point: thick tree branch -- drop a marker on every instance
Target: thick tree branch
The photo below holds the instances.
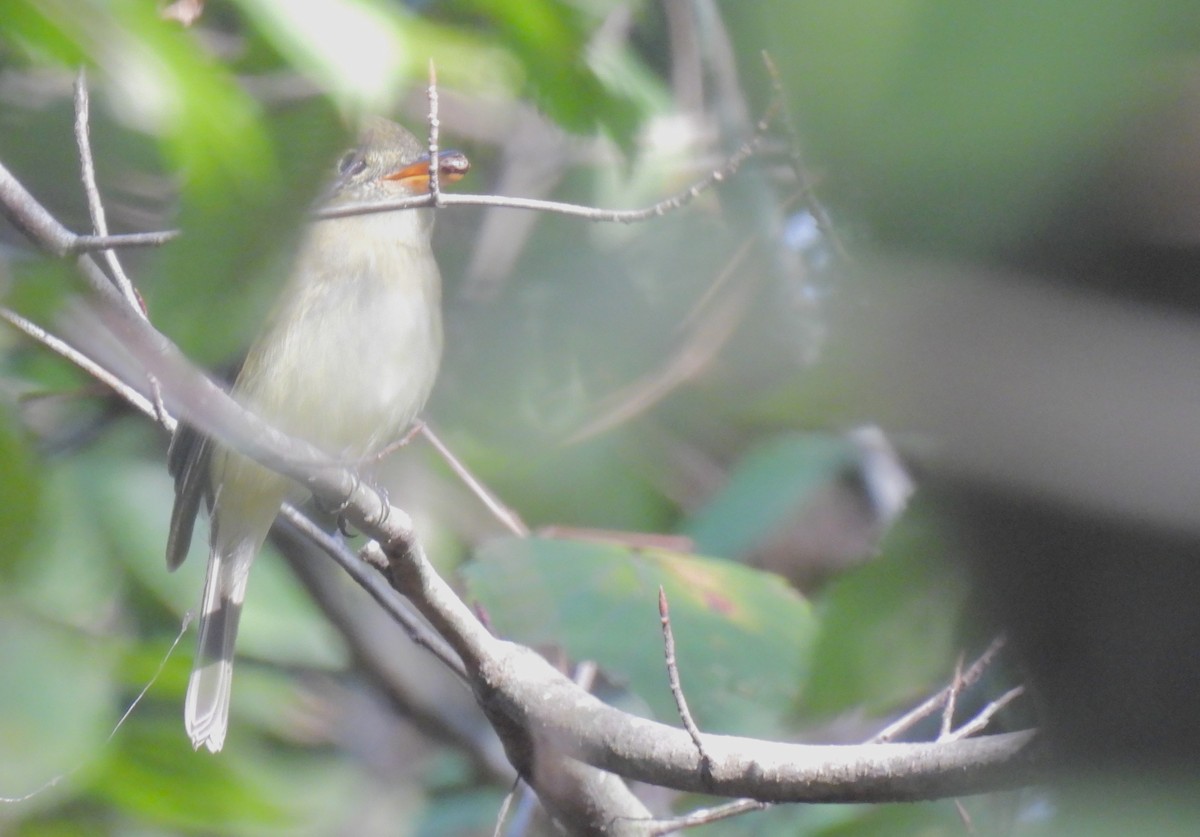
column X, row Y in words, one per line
column 538, row 712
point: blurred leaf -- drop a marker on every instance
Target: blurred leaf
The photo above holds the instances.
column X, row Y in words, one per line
column 69, row 576
column 39, row 287
column 742, row 637
column 57, row 701
column 156, row 776
column 162, row 80
column 213, row 285
column 929, row 819
column 354, row 48
column 889, row 631
column 768, row 488
column 960, row 124
column 551, row 39
column 35, row 31
column 462, row 812
column 20, row 491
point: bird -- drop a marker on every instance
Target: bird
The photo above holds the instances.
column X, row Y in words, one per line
column 345, row 361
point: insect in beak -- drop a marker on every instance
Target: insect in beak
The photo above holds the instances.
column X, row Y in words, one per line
column 452, row 167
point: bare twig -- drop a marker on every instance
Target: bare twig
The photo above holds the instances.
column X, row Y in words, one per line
column 800, row 167
column 622, row 216
column 708, row 328
column 704, row 816
column 685, row 714
column 91, row 243
column 507, row 516
column 968, row 825
column 69, row 243
column 435, row 126
column 956, row 686
column 87, row 167
column 377, row 587
column 937, row 701
column 63, row 242
column 25, row 213
column 64, row 350
column 985, row 715
column 505, row 805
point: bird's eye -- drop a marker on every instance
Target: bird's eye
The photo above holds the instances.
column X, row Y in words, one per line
column 352, row 163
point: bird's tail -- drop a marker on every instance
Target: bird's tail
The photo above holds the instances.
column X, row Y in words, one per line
column 206, row 710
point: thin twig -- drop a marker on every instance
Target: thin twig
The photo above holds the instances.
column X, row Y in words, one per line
column 968, row 825
column 937, row 701
column 435, row 126
column 622, row 216
column 800, row 167
column 25, row 213
column 91, row 243
column 505, row 805
column 87, row 166
column 685, row 714
column 704, row 816
column 63, row 349
column 32, row 218
column 956, row 686
column 507, row 516
column 377, row 587
column 85, row 243
column 985, row 715
column 704, row 337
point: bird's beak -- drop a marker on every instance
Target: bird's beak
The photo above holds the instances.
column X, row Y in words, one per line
column 452, row 167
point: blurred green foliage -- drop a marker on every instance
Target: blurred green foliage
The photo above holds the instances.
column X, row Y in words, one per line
column 961, row 126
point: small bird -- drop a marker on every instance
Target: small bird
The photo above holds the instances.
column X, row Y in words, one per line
column 345, row 362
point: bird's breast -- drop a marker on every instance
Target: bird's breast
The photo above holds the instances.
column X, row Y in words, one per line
column 352, row 349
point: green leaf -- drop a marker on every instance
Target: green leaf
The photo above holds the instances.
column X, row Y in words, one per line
column 551, row 39
column 769, row 487
column 20, row 491
column 155, row 776
column 57, row 700
column 742, row 637
column 33, row 30
column 959, row 124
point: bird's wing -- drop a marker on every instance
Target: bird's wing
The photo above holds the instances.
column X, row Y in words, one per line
column 187, row 461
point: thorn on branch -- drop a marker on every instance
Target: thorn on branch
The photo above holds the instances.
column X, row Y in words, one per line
column 937, row 701
column 956, row 686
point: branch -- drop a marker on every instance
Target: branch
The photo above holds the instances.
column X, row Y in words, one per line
column 29, row 216
column 539, row 713
column 95, row 204
column 563, row 740
column 937, row 701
